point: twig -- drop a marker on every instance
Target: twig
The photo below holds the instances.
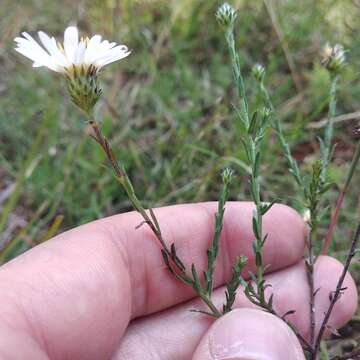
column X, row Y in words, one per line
column 337, row 119
column 339, row 290
column 312, row 196
column 317, row 187
column 254, row 128
column 340, row 200
column 170, row 257
column 124, row 180
column 310, row 277
column 234, row 283
column 107, row 149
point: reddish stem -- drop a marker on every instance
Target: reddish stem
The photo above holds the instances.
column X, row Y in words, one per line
column 333, row 223
column 330, row 232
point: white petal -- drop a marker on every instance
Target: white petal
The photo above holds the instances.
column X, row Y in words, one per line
column 71, row 40
column 46, row 41
column 38, row 58
column 59, row 54
column 30, row 43
column 28, row 47
column 110, row 52
column 80, row 52
column 102, row 51
column 27, row 53
column 113, row 59
column 50, row 45
column 106, row 45
column 20, row 40
column 115, row 54
column 94, row 51
column 91, row 51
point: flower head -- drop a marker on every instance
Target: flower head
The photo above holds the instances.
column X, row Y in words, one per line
column 258, row 72
column 226, row 16
column 227, row 175
column 333, row 57
column 80, row 61
column 63, row 58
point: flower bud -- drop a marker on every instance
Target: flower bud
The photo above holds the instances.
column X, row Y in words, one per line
column 227, row 175
column 333, row 57
column 83, row 86
column 226, row 16
column 265, row 112
column 258, row 72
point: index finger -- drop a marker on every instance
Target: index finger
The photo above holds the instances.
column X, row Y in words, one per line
column 77, row 292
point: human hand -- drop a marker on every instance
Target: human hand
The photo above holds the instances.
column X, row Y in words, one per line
column 101, row 291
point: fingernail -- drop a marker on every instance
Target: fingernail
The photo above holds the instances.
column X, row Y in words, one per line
column 250, row 334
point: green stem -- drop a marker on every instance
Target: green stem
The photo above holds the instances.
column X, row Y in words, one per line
column 312, row 196
column 207, row 300
column 292, row 163
column 235, row 61
column 219, row 218
column 234, row 283
column 257, row 224
column 310, row 275
column 252, row 139
column 176, row 267
column 329, row 130
column 254, row 151
column 259, row 267
column 124, row 180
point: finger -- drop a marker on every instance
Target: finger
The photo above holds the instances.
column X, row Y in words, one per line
column 174, row 334
column 249, row 334
column 191, row 228
column 94, row 278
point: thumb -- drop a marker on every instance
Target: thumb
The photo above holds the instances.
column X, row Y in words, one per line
column 249, row 334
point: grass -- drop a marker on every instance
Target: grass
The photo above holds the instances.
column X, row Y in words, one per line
column 168, row 109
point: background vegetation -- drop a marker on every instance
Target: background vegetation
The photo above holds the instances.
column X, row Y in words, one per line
column 167, row 109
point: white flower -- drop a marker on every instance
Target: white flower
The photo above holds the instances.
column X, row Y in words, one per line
column 333, row 57
column 63, row 58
